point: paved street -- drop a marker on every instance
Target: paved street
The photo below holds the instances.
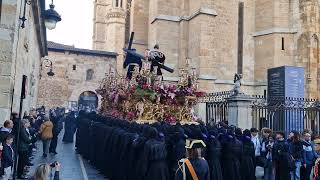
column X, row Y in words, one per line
column 73, row 166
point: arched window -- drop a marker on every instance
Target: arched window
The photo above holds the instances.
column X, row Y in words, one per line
column 89, row 74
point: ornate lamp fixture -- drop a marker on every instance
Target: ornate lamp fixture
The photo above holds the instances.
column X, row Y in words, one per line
column 50, row 16
column 48, row 64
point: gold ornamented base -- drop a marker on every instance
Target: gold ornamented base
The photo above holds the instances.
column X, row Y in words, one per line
column 154, row 121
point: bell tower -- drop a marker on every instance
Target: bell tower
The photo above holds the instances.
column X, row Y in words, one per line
column 99, row 24
column 115, row 36
column 109, row 27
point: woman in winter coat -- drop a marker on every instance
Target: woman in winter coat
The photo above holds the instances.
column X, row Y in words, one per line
column 46, row 135
column 296, row 151
column 266, row 152
column 280, row 154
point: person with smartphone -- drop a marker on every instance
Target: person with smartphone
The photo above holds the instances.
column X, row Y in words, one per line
column 43, row 171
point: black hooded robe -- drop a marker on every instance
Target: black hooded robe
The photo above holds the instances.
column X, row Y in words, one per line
column 69, row 128
column 156, row 167
column 280, row 155
column 247, row 160
column 213, row 156
column 230, row 162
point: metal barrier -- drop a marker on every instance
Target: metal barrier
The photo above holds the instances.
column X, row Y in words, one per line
column 277, row 113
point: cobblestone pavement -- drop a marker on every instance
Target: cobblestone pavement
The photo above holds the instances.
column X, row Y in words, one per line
column 73, row 167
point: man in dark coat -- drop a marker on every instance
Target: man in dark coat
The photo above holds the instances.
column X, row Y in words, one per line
column 56, row 119
column 24, row 143
column 15, row 118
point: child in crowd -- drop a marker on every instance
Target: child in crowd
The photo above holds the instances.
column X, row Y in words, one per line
column 7, row 157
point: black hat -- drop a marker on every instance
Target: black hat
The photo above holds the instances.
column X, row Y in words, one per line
column 194, row 144
column 247, row 133
column 254, row 130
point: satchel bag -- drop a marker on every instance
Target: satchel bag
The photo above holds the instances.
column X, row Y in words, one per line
column 191, row 170
column 261, row 161
column 291, row 163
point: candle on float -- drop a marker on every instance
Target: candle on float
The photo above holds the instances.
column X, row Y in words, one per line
column 193, row 71
column 187, row 61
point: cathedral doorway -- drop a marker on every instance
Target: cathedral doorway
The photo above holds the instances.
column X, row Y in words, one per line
column 88, row 101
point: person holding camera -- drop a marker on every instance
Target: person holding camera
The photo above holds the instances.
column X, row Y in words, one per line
column 43, row 171
column 266, row 151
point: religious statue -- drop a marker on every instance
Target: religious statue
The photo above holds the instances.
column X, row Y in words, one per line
column 184, row 79
column 140, row 108
column 141, row 94
column 237, row 83
column 159, row 112
column 149, row 112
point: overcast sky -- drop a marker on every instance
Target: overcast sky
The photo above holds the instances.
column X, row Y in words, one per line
column 76, row 25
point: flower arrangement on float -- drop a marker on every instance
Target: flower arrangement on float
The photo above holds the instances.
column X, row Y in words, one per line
column 146, row 97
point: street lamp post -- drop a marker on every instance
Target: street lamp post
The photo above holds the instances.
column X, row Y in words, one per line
column 50, row 18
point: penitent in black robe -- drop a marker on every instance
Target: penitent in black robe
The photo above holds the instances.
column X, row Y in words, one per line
column 230, row 162
column 176, row 150
column 280, row 155
column 83, row 139
column 247, row 160
column 69, row 128
column 155, row 167
column 213, row 157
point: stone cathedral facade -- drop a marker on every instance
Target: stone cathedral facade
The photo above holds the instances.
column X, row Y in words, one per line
column 219, row 37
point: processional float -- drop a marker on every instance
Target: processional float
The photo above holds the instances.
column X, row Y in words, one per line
column 142, row 95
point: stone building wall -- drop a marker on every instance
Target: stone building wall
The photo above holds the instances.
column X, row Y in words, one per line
column 20, row 53
column 68, row 83
column 275, row 33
